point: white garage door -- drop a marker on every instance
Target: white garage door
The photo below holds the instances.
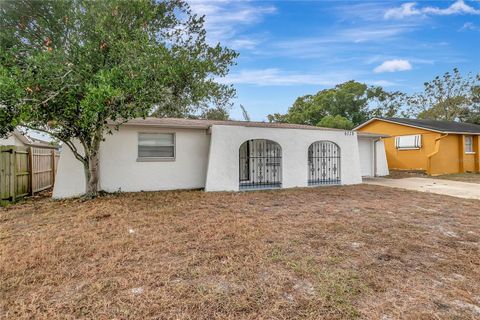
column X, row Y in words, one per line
column 365, row 147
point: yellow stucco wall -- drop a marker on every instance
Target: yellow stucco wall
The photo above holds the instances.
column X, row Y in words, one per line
column 439, row 154
column 471, row 161
column 446, row 160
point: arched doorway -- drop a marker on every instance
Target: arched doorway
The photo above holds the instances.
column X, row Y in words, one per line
column 260, row 164
column 323, row 163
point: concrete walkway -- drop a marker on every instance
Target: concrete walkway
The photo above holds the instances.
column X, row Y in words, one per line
column 448, row 187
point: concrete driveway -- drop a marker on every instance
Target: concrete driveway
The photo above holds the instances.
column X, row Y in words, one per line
column 448, row 187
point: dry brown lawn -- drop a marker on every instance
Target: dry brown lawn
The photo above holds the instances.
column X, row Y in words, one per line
column 333, row 253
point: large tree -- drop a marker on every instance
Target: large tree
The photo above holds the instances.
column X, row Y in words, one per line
column 344, row 106
column 72, row 68
column 452, row 97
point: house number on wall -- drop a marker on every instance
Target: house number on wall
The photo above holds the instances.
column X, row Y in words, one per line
column 349, row 133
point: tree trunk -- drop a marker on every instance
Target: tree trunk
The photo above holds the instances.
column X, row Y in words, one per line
column 91, row 175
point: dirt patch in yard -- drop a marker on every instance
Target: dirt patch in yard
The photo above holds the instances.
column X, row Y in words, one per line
column 337, row 253
column 464, row 177
column 400, row 174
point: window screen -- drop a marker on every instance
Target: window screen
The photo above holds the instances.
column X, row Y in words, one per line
column 156, row 145
column 408, row 142
column 468, row 144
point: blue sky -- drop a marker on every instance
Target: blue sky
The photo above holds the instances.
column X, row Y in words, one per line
column 292, row 48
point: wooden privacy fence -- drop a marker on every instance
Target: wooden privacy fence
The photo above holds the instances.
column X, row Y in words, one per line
column 26, row 170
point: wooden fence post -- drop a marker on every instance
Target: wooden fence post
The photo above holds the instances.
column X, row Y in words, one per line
column 30, row 170
column 53, row 167
column 7, row 173
column 13, row 174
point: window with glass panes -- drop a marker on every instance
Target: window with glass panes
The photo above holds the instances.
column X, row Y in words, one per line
column 156, row 145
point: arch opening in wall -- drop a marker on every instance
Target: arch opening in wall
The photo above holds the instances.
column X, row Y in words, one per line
column 324, row 163
column 260, row 164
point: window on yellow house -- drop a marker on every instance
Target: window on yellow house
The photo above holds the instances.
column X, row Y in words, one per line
column 411, row 142
column 468, row 144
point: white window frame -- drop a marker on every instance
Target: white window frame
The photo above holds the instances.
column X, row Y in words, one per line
column 418, row 142
column 158, row 159
column 471, row 151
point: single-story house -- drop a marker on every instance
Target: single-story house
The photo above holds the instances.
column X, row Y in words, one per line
column 436, row 147
column 165, row 153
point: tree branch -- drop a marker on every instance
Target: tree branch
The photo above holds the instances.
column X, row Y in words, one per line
column 67, row 142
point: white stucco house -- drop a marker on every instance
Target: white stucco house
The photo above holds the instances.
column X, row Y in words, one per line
column 165, row 154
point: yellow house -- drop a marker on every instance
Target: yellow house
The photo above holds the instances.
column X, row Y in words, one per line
column 436, row 147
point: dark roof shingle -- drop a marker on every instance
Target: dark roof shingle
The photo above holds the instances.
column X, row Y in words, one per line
column 437, row 125
column 205, row 124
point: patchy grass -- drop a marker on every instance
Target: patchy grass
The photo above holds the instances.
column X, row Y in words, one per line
column 336, row 253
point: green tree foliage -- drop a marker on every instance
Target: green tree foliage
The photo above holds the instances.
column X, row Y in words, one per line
column 345, row 106
column 215, row 114
column 451, row 97
column 474, row 114
column 386, row 104
column 336, row 122
column 72, row 67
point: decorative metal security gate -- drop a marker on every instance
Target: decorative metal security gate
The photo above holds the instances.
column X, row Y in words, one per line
column 260, row 164
column 323, row 163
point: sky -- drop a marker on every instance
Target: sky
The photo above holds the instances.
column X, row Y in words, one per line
column 292, row 48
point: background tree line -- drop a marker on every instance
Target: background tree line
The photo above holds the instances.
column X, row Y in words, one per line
column 452, row 97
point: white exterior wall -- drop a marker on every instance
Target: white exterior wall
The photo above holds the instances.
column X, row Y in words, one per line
column 371, row 166
column 382, row 164
column 223, row 172
column 120, row 170
column 70, row 177
column 367, row 164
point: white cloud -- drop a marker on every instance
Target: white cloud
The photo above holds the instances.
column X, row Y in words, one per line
column 393, row 66
column 469, row 26
column 244, row 43
column 225, row 19
column 381, row 83
column 277, row 77
column 373, row 33
column 410, row 9
column 458, row 7
column 405, row 10
column 336, row 44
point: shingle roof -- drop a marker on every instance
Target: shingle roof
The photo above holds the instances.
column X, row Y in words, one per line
column 435, row 125
column 205, row 124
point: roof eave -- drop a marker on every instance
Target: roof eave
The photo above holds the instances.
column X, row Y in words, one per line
column 372, row 135
column 164, row 125
column 396, row 122
column 464, row 133
column 208, row 126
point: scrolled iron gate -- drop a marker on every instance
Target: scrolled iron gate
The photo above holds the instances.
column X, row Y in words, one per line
column 323, row 163
column 260, row 164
